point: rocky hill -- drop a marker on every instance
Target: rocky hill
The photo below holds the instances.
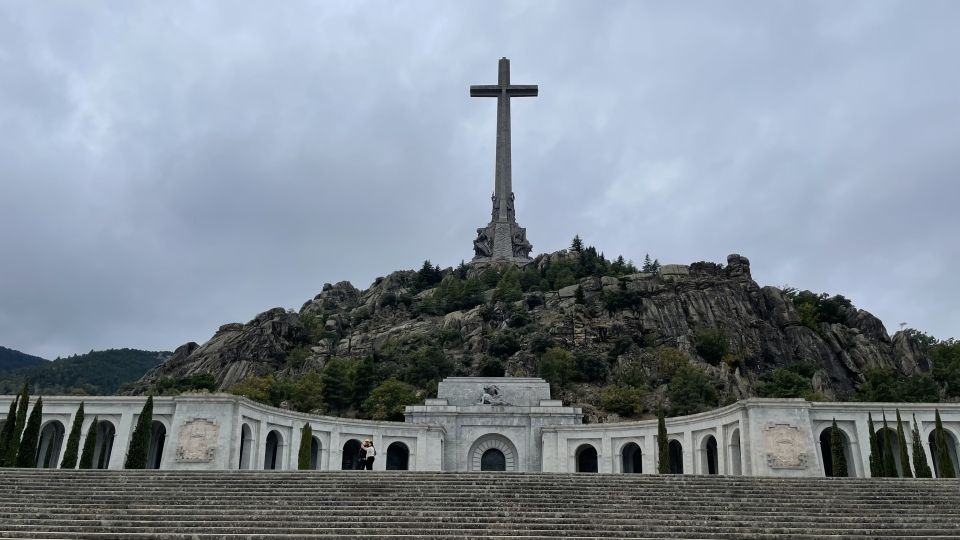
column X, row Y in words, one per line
column 615, row 340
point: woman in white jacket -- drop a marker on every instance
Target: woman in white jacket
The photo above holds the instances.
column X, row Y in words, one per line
column 369, row 453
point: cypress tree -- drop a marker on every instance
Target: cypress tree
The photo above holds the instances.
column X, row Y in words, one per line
column 73, row 441
column 889, row 464
column 905, row 471
column 140, row 440
column 7, row 435
column 876, row 464
column 89, row 446
column 919, row 456
column 27, row 453
column 944, row 463
column 48, row 457
column 306, row 440
column 663, row 446
column 13, row 444
column 836, row 449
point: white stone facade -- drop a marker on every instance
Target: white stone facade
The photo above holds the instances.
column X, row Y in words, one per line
column 511, row 421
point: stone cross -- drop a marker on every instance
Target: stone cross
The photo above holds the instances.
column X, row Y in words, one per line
column 503, row 91
column 503, row 238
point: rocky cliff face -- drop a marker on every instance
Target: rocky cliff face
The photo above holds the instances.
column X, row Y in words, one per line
column 619, row 318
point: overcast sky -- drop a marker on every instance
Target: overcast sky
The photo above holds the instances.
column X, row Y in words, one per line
column 168, row 167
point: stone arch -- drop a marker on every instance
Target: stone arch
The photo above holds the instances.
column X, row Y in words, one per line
column 158, row 438
column 351, row 456
column 398, row 457
column 826, row 451
column 315, row 447
column 676, row 456
column 586, row 458
column 246, row 447
column 492, row 442
column 951, row 449
column 631, row 458
column 709, row 456
column 51, row 443
column 272, row 456
column 736, row 461
column 882, row 435
column 106, row 432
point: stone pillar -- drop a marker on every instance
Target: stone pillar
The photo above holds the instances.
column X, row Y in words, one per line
column 335, row 461
column 605, row 455
column 121, row 440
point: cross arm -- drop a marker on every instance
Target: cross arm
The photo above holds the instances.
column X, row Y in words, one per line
column 522, row 90
column 485, row 90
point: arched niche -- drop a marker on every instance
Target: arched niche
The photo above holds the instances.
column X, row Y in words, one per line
column 951, row 450
column 272, row 457
column 826, row 451
column 736, row 463
column 675, row 449
column 884, row 434
column 106, row 432
column 246, row 448
column 503, row 445
column 631, row 458
column 158, row 439
column 398, row 457
column 586, row 458
column 315, row 447
column 709, row 456
column 50, row 445
column 351, row 460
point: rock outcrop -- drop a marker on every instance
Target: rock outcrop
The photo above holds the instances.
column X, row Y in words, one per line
column 761, row 326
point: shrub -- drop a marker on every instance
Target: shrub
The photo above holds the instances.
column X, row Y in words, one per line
column 539, row 343
column 691, row 391
column 623, row 400
column 711, row 344
column 427, row 366
column 13, row 442
column 6, row 436
column 73, row 441
column 504, row 344
column 669, row 362
column 557, row 366
column 27, row 453
column 815, row 308
column 886, row 385
column 298, row 357
column 663, row 445
column 920, row 465
column 944, row 463
column 508, row 288
column 337, row 384
column 837, row 452
column 591, row 367
column 388, row 400
column 306, row 441
column 491, row 367
column 140, row 440
column 89, row 445
column 785, row 383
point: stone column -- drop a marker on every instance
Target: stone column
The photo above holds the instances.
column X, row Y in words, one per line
column 121, row 440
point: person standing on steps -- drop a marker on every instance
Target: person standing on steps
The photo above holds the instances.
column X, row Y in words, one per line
column 369, row 453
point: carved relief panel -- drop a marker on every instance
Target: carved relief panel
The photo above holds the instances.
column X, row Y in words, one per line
column 785, row 446
column 197, row 441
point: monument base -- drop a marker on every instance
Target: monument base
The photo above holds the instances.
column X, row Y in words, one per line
column 502, row 240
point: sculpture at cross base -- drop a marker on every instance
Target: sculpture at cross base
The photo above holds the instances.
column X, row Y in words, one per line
column 503, row 239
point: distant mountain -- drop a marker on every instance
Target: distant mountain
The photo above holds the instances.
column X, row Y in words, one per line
column 11, row 359
column 94, row 373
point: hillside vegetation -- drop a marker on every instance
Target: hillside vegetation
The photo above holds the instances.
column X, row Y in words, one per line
column 94, row 373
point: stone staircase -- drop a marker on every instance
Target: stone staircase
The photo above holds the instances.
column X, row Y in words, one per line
column 268, row 504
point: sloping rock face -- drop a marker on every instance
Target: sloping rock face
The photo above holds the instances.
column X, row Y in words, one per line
column 760, row 324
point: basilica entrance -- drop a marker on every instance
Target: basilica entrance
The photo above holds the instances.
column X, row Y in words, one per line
column 492, row 452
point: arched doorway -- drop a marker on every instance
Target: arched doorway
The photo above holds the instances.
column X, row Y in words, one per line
column 51, row 442
column 158, row 436
column 246, row 445
column 315, row 447
column 736, row 466
column 709, row 456
column 493, row 460
column 884, row 434
column 271, row 455
column 631, row 459
column 398, row 457
column 504, row 459
column 676, row 457
column 951, row 450
column 105, row 434
column 587, row 459
column 351, row 456
column 826, row 451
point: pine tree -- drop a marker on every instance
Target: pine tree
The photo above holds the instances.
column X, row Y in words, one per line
column 89, row 446
column 889, row 464
column 27, row 453
column 306, row 442
column 578, row 296
column 647, row 264
column 656, row 266
column 920, row 464
column 876, row 463
column 905, row 471
column 73, row 441
column 944, row 463
column 13, row 444
column 7, row 435
column 140, row 440
column 837, row 452
column 577, row 244
column 663, row 446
